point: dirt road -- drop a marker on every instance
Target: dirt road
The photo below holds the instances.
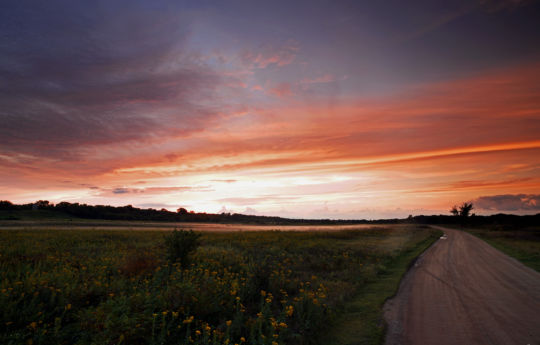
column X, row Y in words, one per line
column 463, row 291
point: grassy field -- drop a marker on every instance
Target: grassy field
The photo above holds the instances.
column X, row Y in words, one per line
column 360, row 321
column 116, row 287
column 520, row 243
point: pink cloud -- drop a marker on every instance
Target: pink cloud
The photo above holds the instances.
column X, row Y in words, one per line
column 270, row 56
column 281, row 90
column 326, row 78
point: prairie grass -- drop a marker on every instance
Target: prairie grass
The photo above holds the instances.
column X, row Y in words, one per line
column 116, row 287
column 520, row 243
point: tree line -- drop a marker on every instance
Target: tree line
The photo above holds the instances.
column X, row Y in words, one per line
column 460, row 215
column 149, row 214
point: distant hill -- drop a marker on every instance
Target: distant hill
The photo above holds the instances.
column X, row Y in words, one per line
column 43, row 209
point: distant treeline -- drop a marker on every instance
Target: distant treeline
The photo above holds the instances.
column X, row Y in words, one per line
column 499, row 221
column 182, row 215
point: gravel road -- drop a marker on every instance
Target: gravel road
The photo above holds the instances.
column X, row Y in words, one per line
column 463, row 291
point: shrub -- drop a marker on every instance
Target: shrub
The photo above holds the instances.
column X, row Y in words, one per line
column 138, row 263
column 180, row 244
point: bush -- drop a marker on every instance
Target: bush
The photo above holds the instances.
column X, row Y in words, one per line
column 138, row 263
column 181, row 243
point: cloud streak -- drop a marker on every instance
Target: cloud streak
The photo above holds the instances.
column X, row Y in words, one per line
column 93, row 78
column 269, row 55
column 509, row 203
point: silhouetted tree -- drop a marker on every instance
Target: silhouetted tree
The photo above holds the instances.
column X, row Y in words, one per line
column 6, row 205
column 462, row 212
column 42, row 204
column 465, row 209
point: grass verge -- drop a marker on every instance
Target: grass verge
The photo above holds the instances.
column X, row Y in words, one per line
column 362, row 320
column 521, row 244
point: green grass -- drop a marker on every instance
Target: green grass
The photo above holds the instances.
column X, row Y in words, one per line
column 362, row 320
column 522, row 244
column 116, row 287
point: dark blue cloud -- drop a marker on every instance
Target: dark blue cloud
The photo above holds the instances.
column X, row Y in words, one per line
column 121, row 190
column 386, row 45
column 509, row 203
column 82, row 73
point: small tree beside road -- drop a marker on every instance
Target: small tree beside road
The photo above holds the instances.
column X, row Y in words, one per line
column 463, row 211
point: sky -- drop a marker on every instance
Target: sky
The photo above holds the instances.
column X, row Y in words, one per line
column 313, row 109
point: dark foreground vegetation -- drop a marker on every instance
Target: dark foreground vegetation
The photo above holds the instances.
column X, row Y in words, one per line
column 122, row 287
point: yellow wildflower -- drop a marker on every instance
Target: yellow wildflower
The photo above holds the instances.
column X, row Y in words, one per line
column 289, row 310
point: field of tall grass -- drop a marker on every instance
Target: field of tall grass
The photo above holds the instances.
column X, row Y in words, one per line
column 117, row 287
column 522, row 243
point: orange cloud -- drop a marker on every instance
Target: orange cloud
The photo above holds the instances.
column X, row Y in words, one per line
column 281, row 90
column 428, row 147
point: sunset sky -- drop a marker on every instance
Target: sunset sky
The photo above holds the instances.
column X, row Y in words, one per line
column 318, row 109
